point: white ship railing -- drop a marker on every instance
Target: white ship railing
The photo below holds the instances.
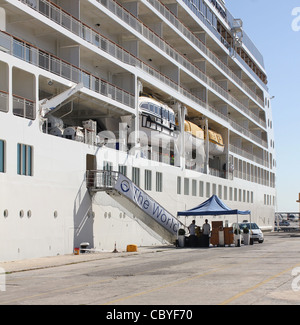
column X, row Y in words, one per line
column 53, row 64
column 101, row 180
column 133, row 22
column 82, row 30
column 23, row 107
column 246, row 154
column 49, row 62
column 162, row 9
column 3, row 101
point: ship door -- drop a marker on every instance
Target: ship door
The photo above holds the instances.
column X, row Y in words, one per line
column 91, row 167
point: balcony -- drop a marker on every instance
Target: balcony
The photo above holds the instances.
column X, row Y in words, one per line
column 23, row 107
column 167, row 14
column 151, row 36
column 53, row 64
column 69, row 22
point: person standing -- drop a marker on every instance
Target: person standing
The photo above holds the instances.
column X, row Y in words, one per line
column 206, row 233
column 192, row 230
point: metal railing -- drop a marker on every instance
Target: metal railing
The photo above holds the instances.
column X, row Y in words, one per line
column 101, row 180
column 75, row 74
column 24, row 107
column 249, row 155
column 53, row 64
column 3, row 101
column 162, row 9
column 137, row 25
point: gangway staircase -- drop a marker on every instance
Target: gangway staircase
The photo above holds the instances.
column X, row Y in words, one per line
column 135, row 200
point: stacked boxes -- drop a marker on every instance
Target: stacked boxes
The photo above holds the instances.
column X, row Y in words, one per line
column 215, row 227
column 228, row 234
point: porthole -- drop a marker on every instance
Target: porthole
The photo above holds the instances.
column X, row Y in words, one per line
column 29, row 213
column 55, row 214
column 5, row 213
column 21, row 213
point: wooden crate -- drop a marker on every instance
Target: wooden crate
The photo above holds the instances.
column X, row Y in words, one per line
column 214, row 239
column 228, row 236
column 216, row 225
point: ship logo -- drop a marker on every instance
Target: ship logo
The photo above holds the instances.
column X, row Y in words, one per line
column 125, row 186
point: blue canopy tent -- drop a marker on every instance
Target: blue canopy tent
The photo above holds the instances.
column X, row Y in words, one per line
column 212, row 207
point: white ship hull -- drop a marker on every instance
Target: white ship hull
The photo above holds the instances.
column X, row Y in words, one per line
column 46, row 208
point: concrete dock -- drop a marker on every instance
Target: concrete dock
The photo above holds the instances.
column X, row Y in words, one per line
column 258, row 274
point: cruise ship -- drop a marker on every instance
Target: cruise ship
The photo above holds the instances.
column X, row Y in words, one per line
column 116, row 115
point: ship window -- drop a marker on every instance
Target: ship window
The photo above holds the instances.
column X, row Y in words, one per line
column 194, row 187
column 186, row 186
column 230, row 193
column 18, row 49
column 178, row 185
column 148, row 180
column 235, row 194
column 136, row 175
column 220, row 191
column 201, row 188
column 107, row 165
column 172, row 118
column 25, row 159
column 214, row 189
column 207, row 189
column 225, row 193
column 2, row 156
column 123, row 170
column 107, row 180
column 159, row 182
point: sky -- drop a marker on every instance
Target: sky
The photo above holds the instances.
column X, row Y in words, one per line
column 275, row 31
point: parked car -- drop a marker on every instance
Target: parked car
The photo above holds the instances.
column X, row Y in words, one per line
column 284, row 223
column 291, row 217
column 255, row 231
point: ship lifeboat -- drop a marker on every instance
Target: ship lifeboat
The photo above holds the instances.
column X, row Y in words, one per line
column 157, row 120
column 216, row 144
column 194, row 136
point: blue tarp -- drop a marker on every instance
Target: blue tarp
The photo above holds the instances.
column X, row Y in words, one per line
column 212, row 207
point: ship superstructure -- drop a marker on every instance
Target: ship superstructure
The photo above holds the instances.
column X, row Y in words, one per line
column 172, row 95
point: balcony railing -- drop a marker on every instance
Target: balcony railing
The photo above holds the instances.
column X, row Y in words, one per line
column 137, row 25
column 53, row 64
column 23, row 107
column 248, row 155
column 71, row 23
column 162, row 9
column 3, row 101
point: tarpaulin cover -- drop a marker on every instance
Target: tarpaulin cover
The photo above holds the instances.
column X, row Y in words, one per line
column 212, row 207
